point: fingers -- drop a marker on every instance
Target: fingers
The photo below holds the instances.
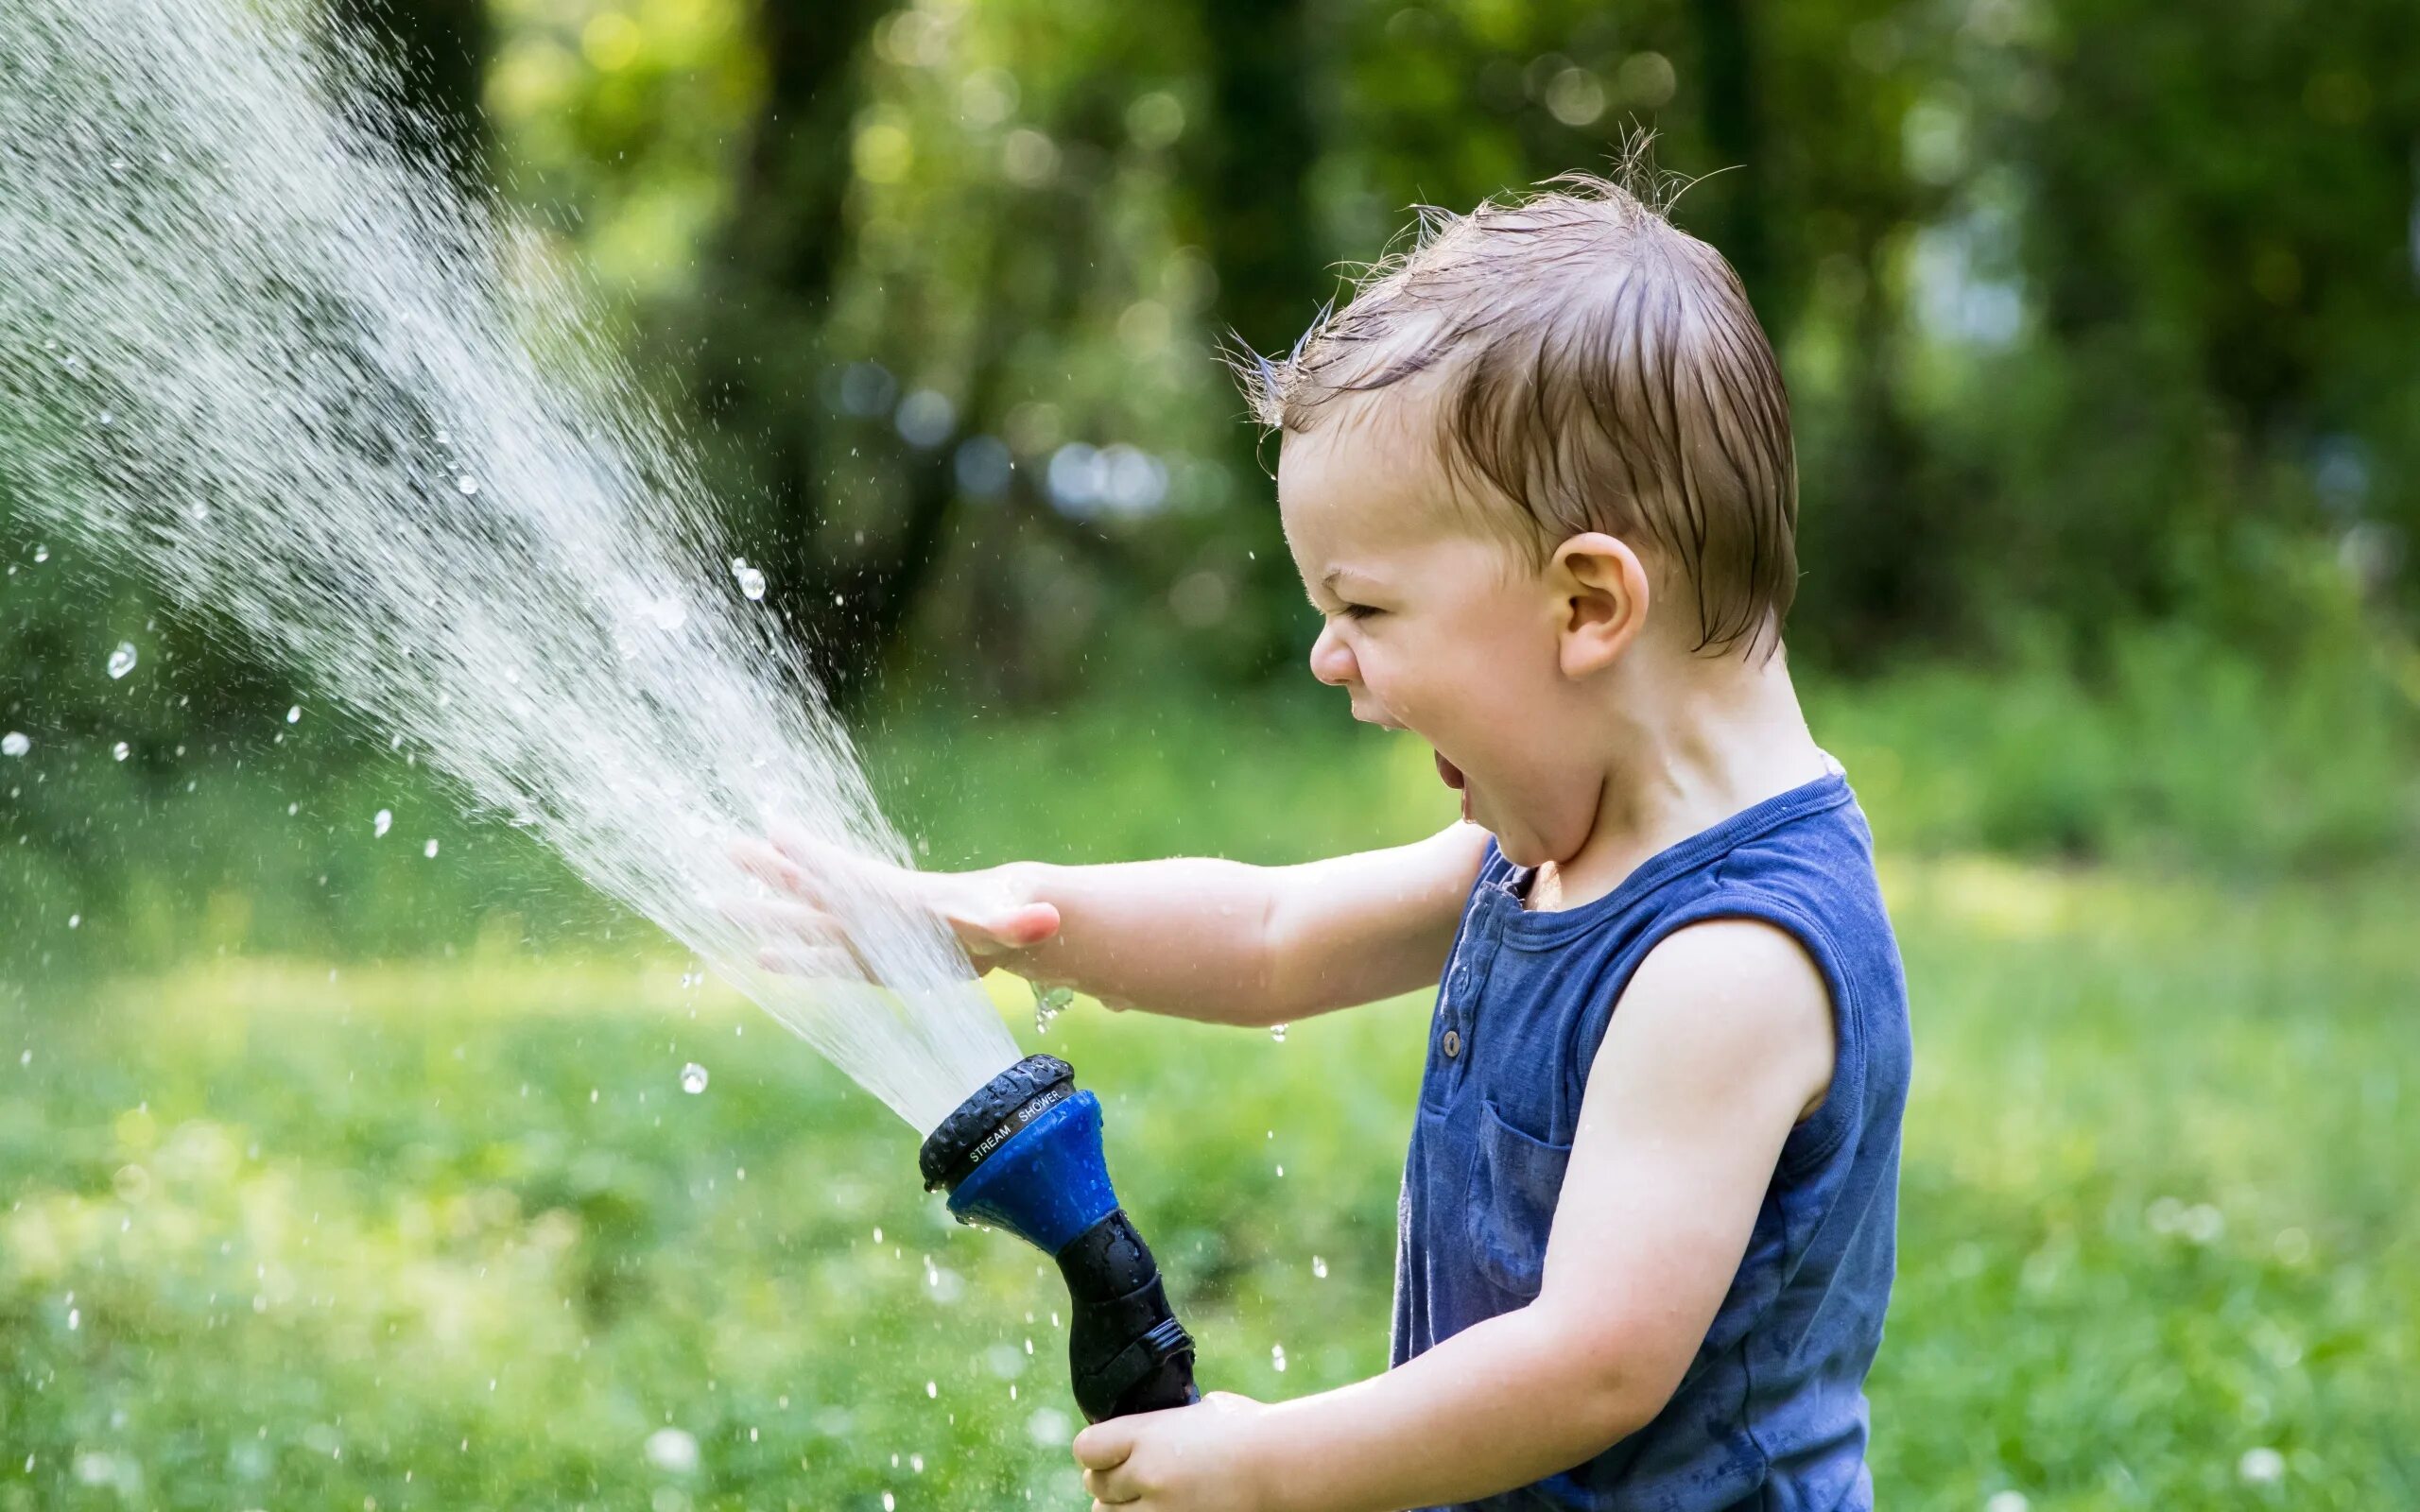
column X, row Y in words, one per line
column 821, row 865
column 796, row 939
column 1103, row 1447
column 766, row 865
column 1105, row 1489
column 1026, row 925
column 783, row 919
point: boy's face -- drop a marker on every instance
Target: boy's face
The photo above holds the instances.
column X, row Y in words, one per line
column 1435, row 629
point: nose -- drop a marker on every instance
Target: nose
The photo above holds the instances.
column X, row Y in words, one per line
column 1332, row 660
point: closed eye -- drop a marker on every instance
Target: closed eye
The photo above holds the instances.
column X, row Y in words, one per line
column 1360, row 611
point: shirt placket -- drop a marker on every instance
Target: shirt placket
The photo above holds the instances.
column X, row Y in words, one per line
column 1452, row 1035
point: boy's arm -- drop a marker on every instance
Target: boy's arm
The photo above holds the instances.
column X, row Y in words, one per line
column 1231, row 943
column 1722, row 1042
column 1190, row 936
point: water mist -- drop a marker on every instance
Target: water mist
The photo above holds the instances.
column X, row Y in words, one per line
column 251, row 351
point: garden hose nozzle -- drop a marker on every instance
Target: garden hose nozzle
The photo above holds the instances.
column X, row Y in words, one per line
column 1024, row 1154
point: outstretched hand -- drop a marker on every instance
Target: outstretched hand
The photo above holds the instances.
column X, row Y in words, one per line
column 816, row 887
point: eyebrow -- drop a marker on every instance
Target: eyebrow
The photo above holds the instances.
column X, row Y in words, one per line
column 1328, row 581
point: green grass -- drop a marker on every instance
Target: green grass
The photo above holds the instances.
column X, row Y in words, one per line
column 275, row 1239
column 337, row 1173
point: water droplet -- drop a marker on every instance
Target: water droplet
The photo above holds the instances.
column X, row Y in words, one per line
column 75, row 919
column 1277, row 1357
column 467, row 486
column 429, row 850
column 673, row 1450
column 75, row 1318
column 668, row 614
column 41, row 554
column 106, row 419
column 382, row 821
column 889, row 1503
column 122, row 660
column 1319, row 1267
column 121, row 750
column 932, row 1388
column 2261, row 1466
column 15, row 744
column 693, row 1081
column 1048, row 1003
column 294, row 715
column 1277, row 1032
column 751, row 582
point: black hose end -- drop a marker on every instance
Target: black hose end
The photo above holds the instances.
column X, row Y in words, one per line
column 1126, row 1350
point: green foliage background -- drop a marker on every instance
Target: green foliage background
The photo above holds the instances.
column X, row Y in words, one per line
column 337, row 1173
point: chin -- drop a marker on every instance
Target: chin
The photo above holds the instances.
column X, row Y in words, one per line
column 1519, row 849
column 1525, row 849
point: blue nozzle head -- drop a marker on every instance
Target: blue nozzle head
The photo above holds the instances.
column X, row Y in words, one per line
column 1024, row 1154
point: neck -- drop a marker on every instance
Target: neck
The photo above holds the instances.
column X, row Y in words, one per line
column 1724, row 735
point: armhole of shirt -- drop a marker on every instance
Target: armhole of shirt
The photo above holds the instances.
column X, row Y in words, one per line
column 1822, row 1131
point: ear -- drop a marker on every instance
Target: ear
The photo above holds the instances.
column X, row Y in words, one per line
column 1603, row 593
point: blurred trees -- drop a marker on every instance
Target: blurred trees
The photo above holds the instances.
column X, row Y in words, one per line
column 2096, row 315
column 2093, row 310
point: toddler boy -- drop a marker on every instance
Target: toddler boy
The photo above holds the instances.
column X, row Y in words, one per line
column 1538, row 480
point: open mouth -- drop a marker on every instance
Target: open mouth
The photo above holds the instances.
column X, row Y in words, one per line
column 1453, row 778
column 1451, row 773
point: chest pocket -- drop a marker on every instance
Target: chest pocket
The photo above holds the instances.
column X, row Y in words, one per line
column 1514, row 1182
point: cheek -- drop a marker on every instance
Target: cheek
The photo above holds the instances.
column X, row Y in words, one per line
column 1465, row 694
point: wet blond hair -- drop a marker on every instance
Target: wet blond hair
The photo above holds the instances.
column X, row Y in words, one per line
column 1598, row 369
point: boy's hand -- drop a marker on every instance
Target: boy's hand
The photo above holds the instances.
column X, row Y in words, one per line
column 1187, row 1459
column 817, row 886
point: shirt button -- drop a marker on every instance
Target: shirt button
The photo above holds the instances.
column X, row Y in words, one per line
column 1453, row 1043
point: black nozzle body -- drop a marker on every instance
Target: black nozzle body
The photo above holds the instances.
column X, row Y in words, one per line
column 1126, row 1350
column 1024, row 1154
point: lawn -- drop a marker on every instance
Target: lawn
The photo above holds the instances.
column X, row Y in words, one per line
column 338, row 1174
column 450, row 1234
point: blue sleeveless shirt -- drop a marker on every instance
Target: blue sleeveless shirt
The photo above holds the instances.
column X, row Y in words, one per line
column 1772, row 1413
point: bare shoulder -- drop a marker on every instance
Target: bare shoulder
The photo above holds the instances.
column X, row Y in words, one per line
column 1733, row 999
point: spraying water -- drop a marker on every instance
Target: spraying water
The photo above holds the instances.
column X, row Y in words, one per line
column 252, row 349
